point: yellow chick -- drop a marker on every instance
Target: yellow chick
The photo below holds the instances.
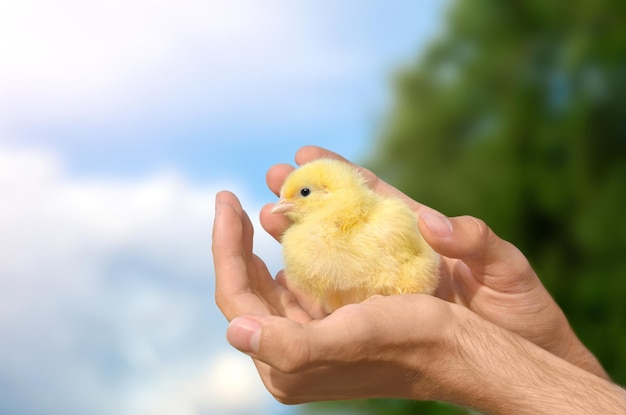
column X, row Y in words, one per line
column 347, row 243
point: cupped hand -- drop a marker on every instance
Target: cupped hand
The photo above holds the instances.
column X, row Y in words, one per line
column 392, row 347
column 479, row 270
column 383, row 347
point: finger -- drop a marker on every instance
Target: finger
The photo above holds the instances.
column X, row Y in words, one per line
column 276, row 175
column 313, row 307
column 231, row 254
column 307, row 154
column 282, row 301
column 228, row 251
column 228, row 233
column 351, row 334
column 290, row 346
column 247, row 235
column 310, row 153
column 492, row 261
column 274, row 224
column 247, row 230
column 333, row 382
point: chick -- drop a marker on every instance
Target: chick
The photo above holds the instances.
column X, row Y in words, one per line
column 347, row 243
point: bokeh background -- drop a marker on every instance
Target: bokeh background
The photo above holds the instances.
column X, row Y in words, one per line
column 120, row 120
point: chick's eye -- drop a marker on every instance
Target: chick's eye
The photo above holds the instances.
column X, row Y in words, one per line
column 305, row 191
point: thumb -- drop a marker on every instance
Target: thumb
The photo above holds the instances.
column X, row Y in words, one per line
column 349, row 334
column 280, row 342
column 244, row 333
column 470, row 239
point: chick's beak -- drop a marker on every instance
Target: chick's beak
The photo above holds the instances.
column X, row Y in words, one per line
column 282, row 206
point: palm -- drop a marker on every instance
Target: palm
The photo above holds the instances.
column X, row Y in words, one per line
column 504, row 292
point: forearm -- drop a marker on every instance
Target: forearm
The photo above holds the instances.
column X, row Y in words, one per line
column 497, row 372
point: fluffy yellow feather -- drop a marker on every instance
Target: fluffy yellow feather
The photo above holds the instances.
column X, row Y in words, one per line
column 347, row 243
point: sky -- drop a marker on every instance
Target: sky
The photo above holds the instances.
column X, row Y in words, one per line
column 119, row 121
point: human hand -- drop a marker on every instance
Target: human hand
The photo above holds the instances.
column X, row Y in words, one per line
column 407, row 346
column 372, row 349
column 479, row 271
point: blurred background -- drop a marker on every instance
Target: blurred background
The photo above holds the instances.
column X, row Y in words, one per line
column 120, row 120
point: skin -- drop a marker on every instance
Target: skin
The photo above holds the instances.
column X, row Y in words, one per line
column 491, row 338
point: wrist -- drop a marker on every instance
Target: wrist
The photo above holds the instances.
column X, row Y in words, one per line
column 461, row 379
column 566, row 345
column 498, row 372
column 445, row 364
column 578, row 355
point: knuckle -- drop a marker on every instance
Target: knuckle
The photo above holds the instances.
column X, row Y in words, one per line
column 291, row 363
column 219, row 298
column 223, row 302
column 219, row 301
column 230, row 306
column 289, row 301
column 296, row 358
column 482, row 229
column 482, row 233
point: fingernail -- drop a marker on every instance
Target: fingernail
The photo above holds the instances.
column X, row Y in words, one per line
column 438, row 224
column 244, row 334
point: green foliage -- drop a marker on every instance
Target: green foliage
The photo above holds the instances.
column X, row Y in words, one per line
column 517, row 115
column 382, row 407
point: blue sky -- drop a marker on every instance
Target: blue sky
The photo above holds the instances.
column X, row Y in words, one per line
column 118, row 123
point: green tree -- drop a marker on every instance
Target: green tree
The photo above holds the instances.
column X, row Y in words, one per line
column 517, row 115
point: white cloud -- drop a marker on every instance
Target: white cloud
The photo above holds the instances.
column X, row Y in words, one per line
column 69, row 59
column 107, row 290
column 231, row 378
